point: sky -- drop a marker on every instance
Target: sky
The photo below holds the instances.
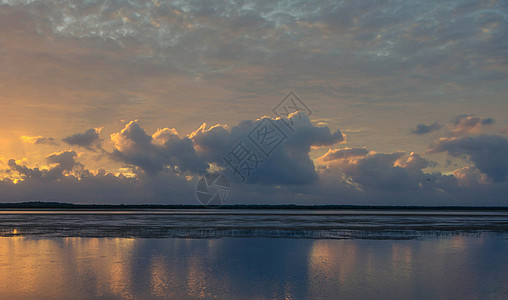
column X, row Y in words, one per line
column 133, row 101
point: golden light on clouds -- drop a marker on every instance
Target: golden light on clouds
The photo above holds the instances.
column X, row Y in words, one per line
column 66, row 70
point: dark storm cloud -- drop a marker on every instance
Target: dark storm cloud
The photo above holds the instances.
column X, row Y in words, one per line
column 487, row 152
column 424, row 129
column 87, row 139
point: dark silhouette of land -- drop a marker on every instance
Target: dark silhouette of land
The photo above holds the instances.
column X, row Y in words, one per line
column 59, row 205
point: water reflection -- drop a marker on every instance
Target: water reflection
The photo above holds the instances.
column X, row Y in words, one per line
column 252, row 268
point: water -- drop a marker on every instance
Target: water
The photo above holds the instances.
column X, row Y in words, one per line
column 331, row 224
column 387, row 255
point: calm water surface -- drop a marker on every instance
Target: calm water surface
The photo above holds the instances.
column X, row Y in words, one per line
column 331, row 224
column 468, row 264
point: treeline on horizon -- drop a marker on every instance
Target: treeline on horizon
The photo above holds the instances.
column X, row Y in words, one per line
column 60, row 205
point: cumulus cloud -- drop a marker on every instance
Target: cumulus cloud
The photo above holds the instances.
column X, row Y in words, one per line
column 468, row 124
column 153, row 153
column 353, row 176
column 87, row 139
column 63, row 163
column 96, row 187
column 359, row 53
column 289, row 163
column 424, row 129
column 470, row 177
column 165, row 167
column 39, row 140
column 378, row 171
column 487, row 152
column 66, row 160
column 212, row 142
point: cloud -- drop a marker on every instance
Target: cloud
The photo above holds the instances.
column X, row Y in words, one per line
column 505, row 131
column 64, row 162
column 87, row 139
column 378, row 171
column 164, row 167
column 352, row 176
column 468, row 124
column 289, row 163
column 339, row 155
column 160, row 56
column 214, row 141
column 38, row 140
column 97, row 187
column 111, row 60
column 487, row 152
column 377, row 38
column 470, row 177
column 154, row 153
column 424, row 129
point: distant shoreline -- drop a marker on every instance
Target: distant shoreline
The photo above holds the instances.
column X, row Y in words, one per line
column 58, row 205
